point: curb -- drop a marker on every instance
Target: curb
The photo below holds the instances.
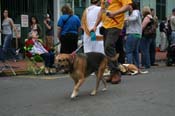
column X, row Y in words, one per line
column 26, row 72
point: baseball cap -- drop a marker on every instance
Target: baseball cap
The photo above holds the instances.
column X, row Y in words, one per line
column 46, row 16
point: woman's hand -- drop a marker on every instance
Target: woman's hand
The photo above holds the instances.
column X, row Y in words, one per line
column 17, row 36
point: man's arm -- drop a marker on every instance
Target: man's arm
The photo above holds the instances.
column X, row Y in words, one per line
column 120, row 11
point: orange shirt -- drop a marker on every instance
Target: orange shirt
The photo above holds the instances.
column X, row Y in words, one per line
column 112, row 6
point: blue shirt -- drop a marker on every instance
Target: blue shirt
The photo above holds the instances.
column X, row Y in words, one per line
column 71, row 26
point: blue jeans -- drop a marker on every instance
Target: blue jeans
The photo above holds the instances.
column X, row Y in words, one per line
column 132, row 49
column 7, row 42
column 9, row 52
column 48, row 59
column 145, row 51
column 152, row 50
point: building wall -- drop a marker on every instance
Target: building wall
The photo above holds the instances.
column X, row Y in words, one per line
column 170, row 6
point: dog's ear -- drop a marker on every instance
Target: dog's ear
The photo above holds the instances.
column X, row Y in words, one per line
column 122, row 68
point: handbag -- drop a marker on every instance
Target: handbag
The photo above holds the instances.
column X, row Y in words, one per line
column 149, row 29
column 102, row 30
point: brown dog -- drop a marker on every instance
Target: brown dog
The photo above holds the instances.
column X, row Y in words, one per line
column 130, row 69
column 81, row 66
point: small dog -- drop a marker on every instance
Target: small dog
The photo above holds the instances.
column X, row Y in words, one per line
column 130, row 69
column 81, row 66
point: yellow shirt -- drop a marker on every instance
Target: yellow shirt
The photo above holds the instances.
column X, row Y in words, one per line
column 112, row 6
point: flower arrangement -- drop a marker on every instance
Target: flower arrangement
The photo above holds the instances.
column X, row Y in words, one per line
column 28, row 47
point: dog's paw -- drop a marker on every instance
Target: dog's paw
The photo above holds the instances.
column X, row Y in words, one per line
column 104, row 89
column 93, row 93
column 74, row 95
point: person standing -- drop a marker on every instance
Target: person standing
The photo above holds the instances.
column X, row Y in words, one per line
column 134, row 33
column 172, row 22
column 148, row 28
column 7, row 31
column 34, row 26
column 68, row 27
column 88, row 21
column 163, row 35
column 112, row 16
column 49, row 32
column 153, row 40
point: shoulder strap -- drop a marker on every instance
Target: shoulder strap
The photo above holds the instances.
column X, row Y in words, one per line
column 66, row 20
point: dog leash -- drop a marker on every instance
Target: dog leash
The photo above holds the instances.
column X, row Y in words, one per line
column 74, row 52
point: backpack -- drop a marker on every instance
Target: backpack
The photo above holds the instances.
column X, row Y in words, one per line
column 149, row 29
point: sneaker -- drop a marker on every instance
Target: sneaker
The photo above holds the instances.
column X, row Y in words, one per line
column 17, row 51
column 46, row 71
column 52, row 71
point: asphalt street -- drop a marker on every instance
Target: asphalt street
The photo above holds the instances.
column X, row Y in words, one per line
column 151, row 94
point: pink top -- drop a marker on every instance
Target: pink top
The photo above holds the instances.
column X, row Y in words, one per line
column 146, row 20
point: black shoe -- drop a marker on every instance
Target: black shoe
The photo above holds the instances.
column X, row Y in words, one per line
column 154, row 64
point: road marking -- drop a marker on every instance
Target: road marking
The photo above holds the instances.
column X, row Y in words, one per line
column 43, row 77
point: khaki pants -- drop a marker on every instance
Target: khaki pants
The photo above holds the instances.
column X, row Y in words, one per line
column 49, row 42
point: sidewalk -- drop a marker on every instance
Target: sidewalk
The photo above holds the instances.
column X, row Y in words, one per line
column 20, row 67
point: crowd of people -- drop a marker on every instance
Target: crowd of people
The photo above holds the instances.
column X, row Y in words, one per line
column 121, row 38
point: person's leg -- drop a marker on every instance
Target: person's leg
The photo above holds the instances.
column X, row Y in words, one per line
column 110, row 50
column 46, row 58
column 8, row 50
column 74, row 43
column 63, row 42
column 145, row 46
column 7, row 42
column 120, row 50
column 130, row 46
column 52, row 58
column 136, row 52
column 51, row 62
column 152, row 50
column 70, row 43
